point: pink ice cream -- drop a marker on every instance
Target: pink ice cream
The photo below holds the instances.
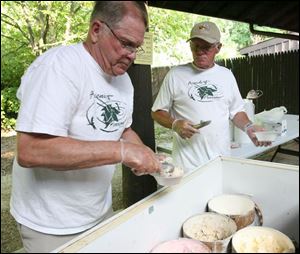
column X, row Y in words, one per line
column 181, row 245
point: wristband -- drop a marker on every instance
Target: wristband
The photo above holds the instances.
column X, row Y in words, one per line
column 248, row 126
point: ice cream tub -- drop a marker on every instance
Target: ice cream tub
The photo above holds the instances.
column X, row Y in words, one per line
column 212, row 229
column 181, row 245
column 241, row 208
column 254, row 239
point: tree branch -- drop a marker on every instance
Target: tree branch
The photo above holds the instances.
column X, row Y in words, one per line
column 29, row 27
column 16, row 25
column 46, row 29
column 64, row 41
column 13, row 39
column 44, row 20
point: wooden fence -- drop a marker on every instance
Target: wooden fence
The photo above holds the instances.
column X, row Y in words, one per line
column 277, row 75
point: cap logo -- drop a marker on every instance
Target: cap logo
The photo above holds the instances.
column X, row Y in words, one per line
column 203, row 27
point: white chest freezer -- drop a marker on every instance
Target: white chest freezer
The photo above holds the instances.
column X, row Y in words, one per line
column 159, row 217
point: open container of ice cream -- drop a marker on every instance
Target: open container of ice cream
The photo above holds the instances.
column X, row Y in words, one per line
column 169, row 175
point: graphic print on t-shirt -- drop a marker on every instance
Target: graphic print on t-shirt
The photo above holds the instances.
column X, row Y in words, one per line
column 203, row 91
column 105, row 113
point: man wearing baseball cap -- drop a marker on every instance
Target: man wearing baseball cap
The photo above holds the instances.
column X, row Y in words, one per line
column 201, row 91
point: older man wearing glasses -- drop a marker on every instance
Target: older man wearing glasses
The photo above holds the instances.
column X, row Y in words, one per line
column 74, row 127
column 201, row 92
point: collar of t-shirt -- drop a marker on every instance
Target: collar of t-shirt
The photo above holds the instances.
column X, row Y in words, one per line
column 200, row 69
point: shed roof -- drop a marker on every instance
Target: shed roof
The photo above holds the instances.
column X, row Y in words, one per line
column 276, row 14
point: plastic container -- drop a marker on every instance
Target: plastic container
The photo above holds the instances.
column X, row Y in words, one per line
column 266, row 135
column 275, row 115
column 167, row 180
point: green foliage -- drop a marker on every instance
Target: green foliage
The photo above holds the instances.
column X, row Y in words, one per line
column 171, row 29
column 162, row 134
column 9, row 108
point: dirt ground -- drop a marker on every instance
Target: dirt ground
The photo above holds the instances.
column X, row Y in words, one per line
column 10, row 239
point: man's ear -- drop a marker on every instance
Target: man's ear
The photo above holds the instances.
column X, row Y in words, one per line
column 219, row 47
column 95, row 29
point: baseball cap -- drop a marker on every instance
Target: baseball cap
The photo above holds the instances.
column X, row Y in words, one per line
column 207, row 31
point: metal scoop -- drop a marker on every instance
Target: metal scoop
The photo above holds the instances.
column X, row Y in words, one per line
column 201, row 124
column 167, row 168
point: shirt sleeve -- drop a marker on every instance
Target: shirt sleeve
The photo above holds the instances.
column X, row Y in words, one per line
column 237, row 103
column 164, row 97
column 130, row 101
column 48, row 100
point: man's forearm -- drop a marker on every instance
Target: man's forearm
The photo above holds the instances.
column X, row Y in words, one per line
column 241, row 120
column 163, row 118
column 130, row 135
column 63, row 153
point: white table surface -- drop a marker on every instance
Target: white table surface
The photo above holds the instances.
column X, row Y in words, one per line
column 248, row 150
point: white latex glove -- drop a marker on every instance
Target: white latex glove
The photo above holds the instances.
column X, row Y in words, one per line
column 184, row 128
column 140, row 158
column 250, row 129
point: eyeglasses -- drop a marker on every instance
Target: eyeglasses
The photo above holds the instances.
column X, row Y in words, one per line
column 125, row 44
column 205, row 49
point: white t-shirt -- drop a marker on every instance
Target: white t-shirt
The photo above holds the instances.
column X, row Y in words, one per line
column 191, row 94
column 65, row 93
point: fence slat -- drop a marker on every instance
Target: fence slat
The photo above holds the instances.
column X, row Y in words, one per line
column 277, row 75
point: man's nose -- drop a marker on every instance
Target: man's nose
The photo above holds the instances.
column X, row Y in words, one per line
column 131, row 55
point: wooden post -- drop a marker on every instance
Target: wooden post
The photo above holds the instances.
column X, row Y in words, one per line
column 135, row 187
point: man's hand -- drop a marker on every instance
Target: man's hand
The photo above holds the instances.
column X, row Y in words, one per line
column 184, row 128
column 250, row 132
column 140, row 158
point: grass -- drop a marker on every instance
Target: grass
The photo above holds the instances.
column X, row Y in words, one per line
column 162, row 135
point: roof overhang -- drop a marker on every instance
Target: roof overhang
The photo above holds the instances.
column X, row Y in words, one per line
column 276, row 14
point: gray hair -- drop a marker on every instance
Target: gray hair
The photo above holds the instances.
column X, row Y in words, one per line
column 112, row 12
